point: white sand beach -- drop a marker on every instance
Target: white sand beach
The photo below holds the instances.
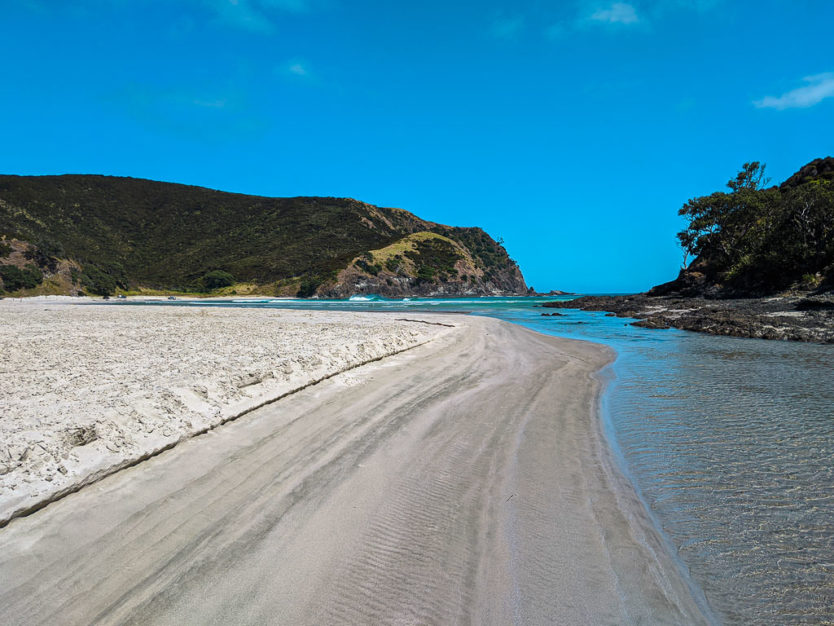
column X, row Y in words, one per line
column 465, row 480
column 86, row 389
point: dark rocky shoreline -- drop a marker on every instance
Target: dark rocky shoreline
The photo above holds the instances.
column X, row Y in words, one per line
column 796, row 317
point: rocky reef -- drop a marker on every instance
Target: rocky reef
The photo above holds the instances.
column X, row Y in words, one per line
column 796, row 317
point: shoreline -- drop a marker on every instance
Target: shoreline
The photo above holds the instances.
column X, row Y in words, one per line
column 617, row 468
column 438, row 453
column 808, row 318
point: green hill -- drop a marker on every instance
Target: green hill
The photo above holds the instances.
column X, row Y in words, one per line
column 101, row 233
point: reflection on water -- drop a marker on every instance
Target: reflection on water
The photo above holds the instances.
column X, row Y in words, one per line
column 729, row 442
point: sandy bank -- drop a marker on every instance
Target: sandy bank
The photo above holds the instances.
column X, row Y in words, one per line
column 464, row 481
column 86, row 389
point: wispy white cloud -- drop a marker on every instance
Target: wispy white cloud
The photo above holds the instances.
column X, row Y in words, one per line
column 507, row 26
column 298, row 69
column 586, row 14
column 256, row 15
column 818, row 88
column 241, row 14
column 617, row 13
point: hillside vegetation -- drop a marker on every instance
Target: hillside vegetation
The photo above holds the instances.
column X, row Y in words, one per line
column 756, row 240
column 100, row 234
column 763, row 262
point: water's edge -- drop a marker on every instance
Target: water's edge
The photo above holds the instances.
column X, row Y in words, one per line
column 631, row 499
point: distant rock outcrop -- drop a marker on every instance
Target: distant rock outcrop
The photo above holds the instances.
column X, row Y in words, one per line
column 818, row 169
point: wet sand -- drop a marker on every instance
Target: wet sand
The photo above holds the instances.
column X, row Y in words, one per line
column 462, row 481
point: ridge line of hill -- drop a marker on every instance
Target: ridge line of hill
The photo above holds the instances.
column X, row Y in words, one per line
column 100, row 234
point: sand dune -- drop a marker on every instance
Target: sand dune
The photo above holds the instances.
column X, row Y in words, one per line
column 463, row 481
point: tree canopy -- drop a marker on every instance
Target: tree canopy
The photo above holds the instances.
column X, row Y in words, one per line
column 216, row 279
column 758, row 238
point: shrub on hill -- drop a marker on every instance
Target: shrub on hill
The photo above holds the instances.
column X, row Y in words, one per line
column 45, row 253
column 103, row 280
column 216, row 279
column 15, row 278
column 308, row 286
column 434, row 257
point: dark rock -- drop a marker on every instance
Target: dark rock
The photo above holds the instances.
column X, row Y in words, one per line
column 823, row 303
column 763, row 318
column 688, row 284
column 651, row 323
column 816, row 169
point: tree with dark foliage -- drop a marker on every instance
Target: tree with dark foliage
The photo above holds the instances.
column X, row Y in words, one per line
column 758, row 240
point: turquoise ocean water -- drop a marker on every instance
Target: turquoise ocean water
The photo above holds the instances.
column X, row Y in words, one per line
column 730, row 443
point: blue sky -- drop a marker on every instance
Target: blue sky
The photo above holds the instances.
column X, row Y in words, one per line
column 573, row 130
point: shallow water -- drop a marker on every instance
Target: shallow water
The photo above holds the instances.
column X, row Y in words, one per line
column 730, row 443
